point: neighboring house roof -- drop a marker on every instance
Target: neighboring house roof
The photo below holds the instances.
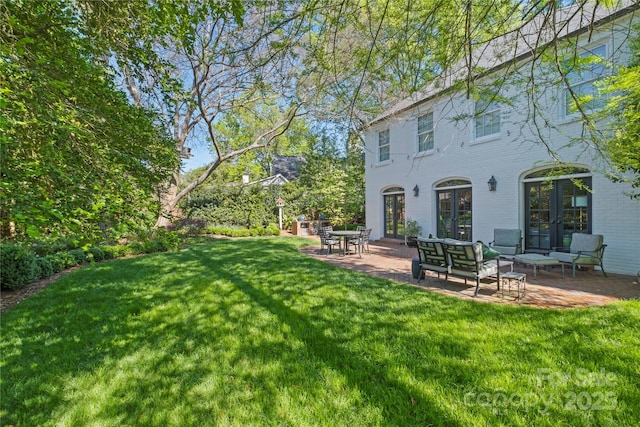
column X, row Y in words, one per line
column 513, row 47
column 287, row 166
column 272, row 180
column 284, row 169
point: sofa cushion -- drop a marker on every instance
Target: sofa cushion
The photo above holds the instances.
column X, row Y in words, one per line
column 484, row 270
column 588, row 244
column 563, row 256
column 507, row 240
column 506, row 250
column 488, row 252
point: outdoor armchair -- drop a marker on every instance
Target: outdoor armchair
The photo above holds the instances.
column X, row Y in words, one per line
column 507, row 241
column 585, row 249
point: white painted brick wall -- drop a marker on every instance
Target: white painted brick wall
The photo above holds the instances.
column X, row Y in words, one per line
column 508, row 158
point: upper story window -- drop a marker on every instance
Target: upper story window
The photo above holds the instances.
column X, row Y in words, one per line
column 384, row 146
column 487, row 118
column 425, row 132
column 586, row 69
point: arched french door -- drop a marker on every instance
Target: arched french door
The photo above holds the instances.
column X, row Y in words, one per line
column 556, row 207
column 454, row 209
column 394, row 212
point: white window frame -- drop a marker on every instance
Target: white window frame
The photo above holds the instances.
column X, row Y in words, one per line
column 487, row 116
column 583, row 82
column 384, row 146
column 425, row 134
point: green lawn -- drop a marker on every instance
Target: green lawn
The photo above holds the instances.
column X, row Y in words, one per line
column 251, row 332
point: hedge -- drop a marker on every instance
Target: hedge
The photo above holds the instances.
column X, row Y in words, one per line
column 20, row 266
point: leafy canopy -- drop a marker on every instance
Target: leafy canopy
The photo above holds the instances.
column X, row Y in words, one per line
column 74, row 151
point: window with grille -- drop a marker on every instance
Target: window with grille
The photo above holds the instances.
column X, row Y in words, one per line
column 425, row 132
column 384, row 146
column 487, row 118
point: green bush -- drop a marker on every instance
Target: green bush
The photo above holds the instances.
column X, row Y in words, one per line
column 97, row 253
column 120, row 250
column 17, row 267
column 79, row 255
column 62, row 260
column 153, row 246
column 115, row 251
column 170, row 240
column 108, row 251
column 270, row 230
column 56, row 263
column 50, row 246
column 190, row 226
column 135, row 248
column 45, row 266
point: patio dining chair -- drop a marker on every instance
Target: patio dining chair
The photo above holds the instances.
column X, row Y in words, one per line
column 362, row 241
column 327, row 240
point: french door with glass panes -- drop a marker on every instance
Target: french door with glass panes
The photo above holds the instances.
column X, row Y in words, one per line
column 394, row 213
column 454, row 213
column 554, row 211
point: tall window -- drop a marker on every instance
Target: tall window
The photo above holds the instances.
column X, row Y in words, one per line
column 487, row 118
column 587, row 69
column 425, row 132
column 384, row 146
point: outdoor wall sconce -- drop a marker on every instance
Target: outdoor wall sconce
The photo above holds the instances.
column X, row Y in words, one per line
column 416, row 191
column 492, row 184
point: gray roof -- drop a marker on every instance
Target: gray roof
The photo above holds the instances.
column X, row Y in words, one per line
column 287, row 166
column 515, row 46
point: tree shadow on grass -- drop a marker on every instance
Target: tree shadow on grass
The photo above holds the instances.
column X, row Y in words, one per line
column 226, row 328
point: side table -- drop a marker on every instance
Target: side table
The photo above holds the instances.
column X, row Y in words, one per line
column 517, row 279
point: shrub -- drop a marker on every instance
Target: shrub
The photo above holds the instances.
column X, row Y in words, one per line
column 270, row 230
column 46, row 268
column 120, row 250
column 56, row 263
column 50, row 246
column 153, row 246
column 135, row 248
column 170, row 240
column 97, row 253
column 108, row 251
column 79, row 256
column 62, row 260
column 17, row 267
column 190, row 226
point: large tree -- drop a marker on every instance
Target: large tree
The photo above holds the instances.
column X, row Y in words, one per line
column 74, row 151
column 210, row 60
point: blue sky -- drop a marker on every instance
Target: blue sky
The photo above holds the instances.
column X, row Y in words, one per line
column 200, row 156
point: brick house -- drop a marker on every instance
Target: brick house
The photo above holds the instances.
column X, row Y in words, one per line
column 463, row 165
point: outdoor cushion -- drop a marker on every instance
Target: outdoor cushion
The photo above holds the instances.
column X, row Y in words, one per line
column 585, row 246
column 488, row 252
column 585, row 249
column 507, row 241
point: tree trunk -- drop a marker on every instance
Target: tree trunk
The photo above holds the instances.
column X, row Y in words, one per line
column 168, row 202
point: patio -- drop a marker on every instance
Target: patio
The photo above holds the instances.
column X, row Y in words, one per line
column 391, row 259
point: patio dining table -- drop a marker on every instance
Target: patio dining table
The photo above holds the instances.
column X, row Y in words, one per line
column 345, row 235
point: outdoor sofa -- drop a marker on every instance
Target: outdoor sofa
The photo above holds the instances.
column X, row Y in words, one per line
column 455, row 258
